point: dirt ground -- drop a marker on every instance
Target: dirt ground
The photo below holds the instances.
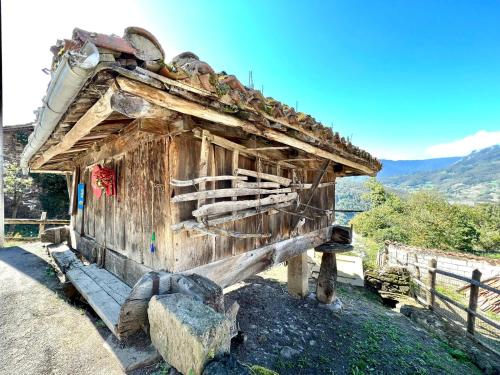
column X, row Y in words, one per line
column 364, row 338
column 43, row 333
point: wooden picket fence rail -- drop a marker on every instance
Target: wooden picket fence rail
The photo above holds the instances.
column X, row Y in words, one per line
column 42, row 222
column 474, row 284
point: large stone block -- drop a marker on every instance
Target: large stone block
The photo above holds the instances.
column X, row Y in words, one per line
column 186, row 332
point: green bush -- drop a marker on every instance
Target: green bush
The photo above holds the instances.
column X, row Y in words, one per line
column 426, row 219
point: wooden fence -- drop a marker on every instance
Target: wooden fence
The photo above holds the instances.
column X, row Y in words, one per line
column 474, row 284
column 42, row 222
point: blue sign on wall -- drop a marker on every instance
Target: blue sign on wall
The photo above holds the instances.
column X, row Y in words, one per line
column 81, row 196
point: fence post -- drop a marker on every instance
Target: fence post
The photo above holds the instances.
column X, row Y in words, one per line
column 417, row 268
column 431, row 283
column 41, row 227
column 473, row 296
column 385, row 256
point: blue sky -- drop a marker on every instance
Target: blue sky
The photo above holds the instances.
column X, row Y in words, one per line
column 403, row 79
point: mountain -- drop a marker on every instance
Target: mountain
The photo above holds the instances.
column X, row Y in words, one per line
column 471, row 179
column 403, row 167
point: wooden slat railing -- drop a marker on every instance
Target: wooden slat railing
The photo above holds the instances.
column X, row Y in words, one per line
column 474, row 284
column 40, row 222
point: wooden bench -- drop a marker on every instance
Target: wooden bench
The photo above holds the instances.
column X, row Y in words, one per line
column 124, row 309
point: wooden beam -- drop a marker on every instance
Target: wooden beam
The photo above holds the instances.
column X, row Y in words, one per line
column 298, row 275
column 196, row 181
column 317, row 179
column 230, row 270
column 93, row 117
column 268, row 148
column 294, row 160
column 238, row 215
column 223, row 207
column 134, row 106
column 309, row 186
column 257, row 185
column 203, row 164
column 229, row 145
column 214, row 231
column 181, row 105
column 40, row 221
column 224, row 193
column 265, row 176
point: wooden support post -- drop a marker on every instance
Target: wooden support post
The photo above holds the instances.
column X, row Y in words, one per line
column 203, row 165
column 41, row 227
column 298, row 275
column 473, row 296
column 332, row 221
column 234, row 170
column 326, row 288
column 431, row 283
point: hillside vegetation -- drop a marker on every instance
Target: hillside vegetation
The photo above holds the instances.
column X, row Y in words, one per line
column 426, row 219
column 472, row 179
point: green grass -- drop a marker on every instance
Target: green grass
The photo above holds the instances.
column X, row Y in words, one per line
column 259, row 370
column 452, row 293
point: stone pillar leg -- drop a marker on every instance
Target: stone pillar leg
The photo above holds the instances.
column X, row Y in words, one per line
column 298, row 276
column 325, row 288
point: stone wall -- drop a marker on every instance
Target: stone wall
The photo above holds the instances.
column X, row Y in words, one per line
column 458, row 263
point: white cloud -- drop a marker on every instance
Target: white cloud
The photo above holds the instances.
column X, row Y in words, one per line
column 466, row 145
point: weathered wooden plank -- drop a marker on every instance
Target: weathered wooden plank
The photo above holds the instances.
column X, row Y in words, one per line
column 36, row 221
column 196, row 181
column 239, row 215
column 64, row 257
column 119, row 206
column 109, row 214
column 309, row 186
column 257, row 185
column 116, row 288
column 100, row 219
column 102, row 303
column 231, row 270
column 265, row 176
column 223, row 207
column 203, row 164
column 225, row 193
column 90, row 203
column 133, row 214
column 158, row 204
column 298, row 275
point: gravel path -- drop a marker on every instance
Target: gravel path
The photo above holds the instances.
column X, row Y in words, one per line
column 40, row 332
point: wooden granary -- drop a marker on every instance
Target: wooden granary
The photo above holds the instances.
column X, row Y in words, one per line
column 178, row 168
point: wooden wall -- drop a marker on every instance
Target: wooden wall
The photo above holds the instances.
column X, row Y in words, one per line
column 124, row 223
column 191, row 249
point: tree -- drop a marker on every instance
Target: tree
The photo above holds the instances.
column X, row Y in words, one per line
column 16, row 187
column 426, row 219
